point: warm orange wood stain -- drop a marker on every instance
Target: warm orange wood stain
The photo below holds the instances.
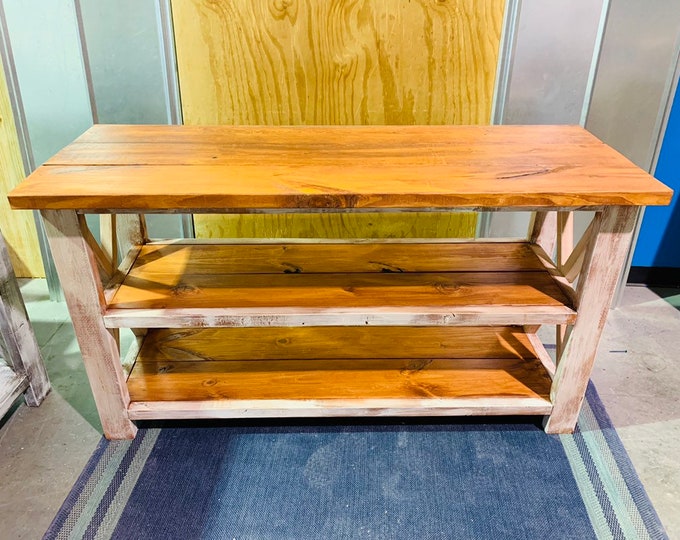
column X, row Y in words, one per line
column 202, row 168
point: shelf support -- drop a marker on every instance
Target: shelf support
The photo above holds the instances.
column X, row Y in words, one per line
column 77, row 267
column 604, row 257
column 543, row 230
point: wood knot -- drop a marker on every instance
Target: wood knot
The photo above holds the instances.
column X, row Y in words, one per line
column 280, row 9
column 184, row 290
column 289, row 268
column 209, row 382
column 444, row 288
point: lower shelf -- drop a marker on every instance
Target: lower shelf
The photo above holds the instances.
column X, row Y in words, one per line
column 213, row 373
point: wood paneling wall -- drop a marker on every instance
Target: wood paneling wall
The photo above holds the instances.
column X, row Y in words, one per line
column 290, row 62
column 18, row 226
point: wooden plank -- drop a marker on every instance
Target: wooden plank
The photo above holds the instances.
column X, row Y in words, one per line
column 108, row 233
column 489, row 168
column 216, row 409
column 370, row 316
column 606, row 253
column 337, row 291
column 18, row 227
column 352, row 241
column 572, row 267
column 207, row 259
column 337, row 380
column 19, row 344
column 119, row 275
column 12, row 385
column 543, row 231
column 104, row 264
column 344, row 140
column 84, row 295
column 221, row 344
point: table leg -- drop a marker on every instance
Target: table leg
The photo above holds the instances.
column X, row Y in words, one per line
column 604, row 259
column 80, row 280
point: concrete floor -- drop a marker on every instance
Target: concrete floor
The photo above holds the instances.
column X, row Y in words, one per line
column 43, row 450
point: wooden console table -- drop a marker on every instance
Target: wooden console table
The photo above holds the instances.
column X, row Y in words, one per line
column 327, row 328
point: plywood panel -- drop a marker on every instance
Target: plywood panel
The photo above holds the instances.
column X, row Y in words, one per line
column 342, row 62
column 371, row 225
column 339, row 62
column 18, row 227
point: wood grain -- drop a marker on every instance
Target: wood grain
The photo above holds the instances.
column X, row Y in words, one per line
column 325, row 63
column 275, row 258
column 347, row 382
column 498, row 166
column 216, row 409
column 265, row 284
column 336, row 63
column 337, row 225
column 464, row 315
column 337, row 379
column 335, row 342
column 18, row 227
column 333, row 291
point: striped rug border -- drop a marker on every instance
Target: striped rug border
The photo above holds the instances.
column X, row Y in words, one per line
column 616, row 502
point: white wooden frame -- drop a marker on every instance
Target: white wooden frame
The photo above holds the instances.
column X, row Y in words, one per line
column 597, row 261
column 25, row 371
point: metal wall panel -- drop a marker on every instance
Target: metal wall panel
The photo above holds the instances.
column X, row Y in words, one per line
column 633, row 76
column 46, row 52
column 552, row 56
column 633, row 83
column 124, row 54
column 552, row 60
column 123, row 49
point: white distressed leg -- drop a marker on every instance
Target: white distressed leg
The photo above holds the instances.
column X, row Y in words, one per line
column 565, row 245
column 80, row 280
column 604, row 260
column 21, row 349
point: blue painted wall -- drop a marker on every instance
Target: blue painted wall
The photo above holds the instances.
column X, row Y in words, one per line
column 659, row 242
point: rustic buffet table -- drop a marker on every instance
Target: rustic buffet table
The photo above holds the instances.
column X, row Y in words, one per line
column 247, row 328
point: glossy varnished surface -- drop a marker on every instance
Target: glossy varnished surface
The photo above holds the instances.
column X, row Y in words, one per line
column 338, row 279
column 220, row 167
column 472, row 364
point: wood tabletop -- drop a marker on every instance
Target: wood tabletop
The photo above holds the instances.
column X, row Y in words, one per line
column 194, row 168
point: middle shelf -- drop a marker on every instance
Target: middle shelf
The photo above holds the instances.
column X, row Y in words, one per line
column 327, row 284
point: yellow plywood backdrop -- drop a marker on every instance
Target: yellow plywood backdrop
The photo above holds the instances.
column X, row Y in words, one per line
column 328, row 62
column 18, row 227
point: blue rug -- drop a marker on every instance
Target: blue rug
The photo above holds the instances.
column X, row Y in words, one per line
column 425, row 479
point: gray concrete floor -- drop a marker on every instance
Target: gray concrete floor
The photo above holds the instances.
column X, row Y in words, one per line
column 43, row 450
